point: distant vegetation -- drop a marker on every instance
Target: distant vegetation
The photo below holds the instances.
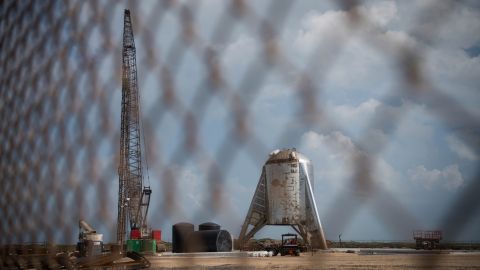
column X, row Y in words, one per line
column 254, row 244
column 382, row 244
column 258, row 244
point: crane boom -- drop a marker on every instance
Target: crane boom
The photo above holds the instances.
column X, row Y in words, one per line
column 132, row 201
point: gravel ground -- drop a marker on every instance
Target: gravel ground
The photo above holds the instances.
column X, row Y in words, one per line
column 326, row 260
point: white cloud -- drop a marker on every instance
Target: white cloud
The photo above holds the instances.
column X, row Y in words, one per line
column 458, row 28
column 331, row 28
column 188, row 183
column 461, row 149
column 335, row 154
column 348, row 113
column 316, row 31
column 455, row 73
column 449, row 178
column 417, row 124
column 273, row 93
column 342, row 144
column 387, row 175
column 454, row 65
column 240, row 51
column 351, row 64
column 394, row 42
column 362, row 70
column 331, row 157
column 194, row 193
column 381, row 13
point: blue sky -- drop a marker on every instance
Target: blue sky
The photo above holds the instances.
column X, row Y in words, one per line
column 425, row 163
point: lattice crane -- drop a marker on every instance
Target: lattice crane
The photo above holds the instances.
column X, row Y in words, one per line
column 133, row 196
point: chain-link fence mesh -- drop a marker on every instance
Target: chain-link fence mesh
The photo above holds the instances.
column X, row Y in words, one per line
column 201, row 108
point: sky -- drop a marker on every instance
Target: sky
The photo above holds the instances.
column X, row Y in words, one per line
column 424, row 155
column 425, row 164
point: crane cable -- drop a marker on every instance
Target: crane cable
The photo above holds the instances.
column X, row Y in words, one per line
column 142, row 130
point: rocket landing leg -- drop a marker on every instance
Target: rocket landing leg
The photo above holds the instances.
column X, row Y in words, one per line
column 257, row 213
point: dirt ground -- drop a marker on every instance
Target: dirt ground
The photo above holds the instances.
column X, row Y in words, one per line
column 325, row 261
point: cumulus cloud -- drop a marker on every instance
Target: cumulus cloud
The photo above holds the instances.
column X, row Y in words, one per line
column 388, row 176
column 455, row 73
column 330, row 28
column 315, row 140
column 446, row 23
column 459, row 148
column 336, row 153
column 238, row 54
column 188, row 185
column 194, row 189
column 449, row 178
column 349, row 113
column 351, row 64
column 361, row 71
column 317, row 27
column 381, row 13
column 235, row 51
column 272, row 94
column 331, row 156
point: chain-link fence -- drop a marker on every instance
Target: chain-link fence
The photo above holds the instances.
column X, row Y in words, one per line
column 222, row 84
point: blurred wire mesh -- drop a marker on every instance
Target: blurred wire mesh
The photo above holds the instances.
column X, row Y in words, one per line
column 60, row 108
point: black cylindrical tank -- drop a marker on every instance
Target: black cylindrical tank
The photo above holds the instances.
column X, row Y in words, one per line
column 180, row 235
column 210, row 241
column 208, row 226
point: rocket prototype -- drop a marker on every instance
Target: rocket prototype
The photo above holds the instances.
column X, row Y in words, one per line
column 284, row 196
